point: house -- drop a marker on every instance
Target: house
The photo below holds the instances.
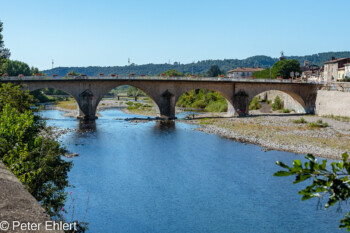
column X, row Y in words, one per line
column 347, row 70
column 311, row 72
column 341, row 74
column 331, row 68
column 243, row 72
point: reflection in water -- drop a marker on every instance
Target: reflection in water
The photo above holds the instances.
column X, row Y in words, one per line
column 86, row 126
column 165, row 125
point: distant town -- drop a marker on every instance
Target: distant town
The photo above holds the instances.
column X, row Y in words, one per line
column 336, row 69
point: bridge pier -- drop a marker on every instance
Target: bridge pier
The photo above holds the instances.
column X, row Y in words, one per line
column 241, row 103
column 166, row 105
column 310, row 103
column 87, row 105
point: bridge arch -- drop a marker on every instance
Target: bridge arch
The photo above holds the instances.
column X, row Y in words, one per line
column 292, row 101
column 38, row 88
column 108, row 89
column 227, row 96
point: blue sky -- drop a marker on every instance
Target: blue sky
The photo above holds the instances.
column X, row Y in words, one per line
column 107, row 32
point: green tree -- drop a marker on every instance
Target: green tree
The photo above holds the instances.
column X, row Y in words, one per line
column 135, row 92
column 14, row 68
column 33, row 158
column 34, row 70
column 173, row 73
column 255, row 104
column 214, row 71
column 15, row 97
column 203, row 99
column 4, row 52
column 324, row 183
column 278, row 104
column 283, row 68
column 72, row 73
column 265, row 74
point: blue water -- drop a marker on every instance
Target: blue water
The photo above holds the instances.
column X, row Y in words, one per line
column 147, row 177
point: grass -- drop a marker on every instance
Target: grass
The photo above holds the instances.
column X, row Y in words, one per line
column 142, row 109
column 338, row 118
column 285, row 110
column 70, row 104
column 205, row 121
column 317, row 125
column 216, row 107
column 300, row 121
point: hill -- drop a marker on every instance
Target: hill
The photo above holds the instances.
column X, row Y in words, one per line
column 199, row 67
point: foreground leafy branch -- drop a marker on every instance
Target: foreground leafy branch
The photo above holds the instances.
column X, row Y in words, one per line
column 327, row 181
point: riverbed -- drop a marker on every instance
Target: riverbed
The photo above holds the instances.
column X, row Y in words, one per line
column 149, row 177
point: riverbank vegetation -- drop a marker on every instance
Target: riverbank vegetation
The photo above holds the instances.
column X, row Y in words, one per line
column 35, row 160
column 202, row 99
column 278, row 104
column 255, row 104
column 145, row 108
column 69, row 104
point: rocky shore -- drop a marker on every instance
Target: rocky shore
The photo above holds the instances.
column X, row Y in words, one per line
column 281, row 133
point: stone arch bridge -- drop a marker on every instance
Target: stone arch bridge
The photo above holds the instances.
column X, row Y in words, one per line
column 88, row 92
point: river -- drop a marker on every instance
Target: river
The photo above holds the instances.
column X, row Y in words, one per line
column 146, row 177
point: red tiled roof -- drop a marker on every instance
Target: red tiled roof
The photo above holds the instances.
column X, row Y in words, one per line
column 336, row 60
column 246, row 69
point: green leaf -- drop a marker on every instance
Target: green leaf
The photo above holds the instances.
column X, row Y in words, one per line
column 281, row 164
column 310, row 157
column 301, row 178
column 297, row 163
column 282, row 173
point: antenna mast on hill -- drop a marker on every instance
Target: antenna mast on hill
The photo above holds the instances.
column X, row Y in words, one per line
column 129, row 65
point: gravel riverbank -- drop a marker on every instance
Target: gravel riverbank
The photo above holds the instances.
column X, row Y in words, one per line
column 281, row 133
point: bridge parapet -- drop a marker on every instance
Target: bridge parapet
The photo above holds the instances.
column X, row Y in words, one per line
column 199, row 79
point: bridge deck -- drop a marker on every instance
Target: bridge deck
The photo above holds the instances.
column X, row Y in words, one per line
column 157, row 78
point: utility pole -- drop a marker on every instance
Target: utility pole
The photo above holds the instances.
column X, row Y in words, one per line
column 52, row 63
column 129, row 65
column 192, row 67
column 270, row 71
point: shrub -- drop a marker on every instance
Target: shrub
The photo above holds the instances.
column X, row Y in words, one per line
column 216, row 107
column 300, row 121
column 285, row 110
column 203, row 99
column 277, row 104
column 254, row 105
column 317, row 124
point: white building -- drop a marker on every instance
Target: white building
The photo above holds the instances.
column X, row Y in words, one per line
column 243, row 72
column 347, row 69
column 331, row 68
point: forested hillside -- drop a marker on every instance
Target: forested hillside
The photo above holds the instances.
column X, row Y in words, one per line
column 200, row 67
